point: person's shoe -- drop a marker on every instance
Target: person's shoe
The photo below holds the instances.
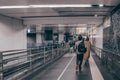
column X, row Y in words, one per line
column 76, row 68
column 82, row 69
column 86, row 63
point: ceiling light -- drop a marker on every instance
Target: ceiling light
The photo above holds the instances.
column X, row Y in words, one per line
column 101, row 5
column 61, row 5
column 12, row 7
column 46, row 6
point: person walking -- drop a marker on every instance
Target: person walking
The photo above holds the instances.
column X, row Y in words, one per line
column 87, row 53
column 80, row 50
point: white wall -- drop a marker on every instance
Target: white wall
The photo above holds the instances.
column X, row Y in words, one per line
column 99, row 37
column 12, row 34
column 96, row 36
column 97, row 33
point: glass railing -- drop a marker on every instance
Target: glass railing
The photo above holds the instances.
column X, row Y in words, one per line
column 17, row 64
column 109, row 59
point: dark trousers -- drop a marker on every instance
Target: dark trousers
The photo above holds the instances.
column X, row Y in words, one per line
column 79, row 60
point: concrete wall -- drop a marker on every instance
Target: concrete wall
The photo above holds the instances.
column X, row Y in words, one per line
column 12, row 34
column 112, row 41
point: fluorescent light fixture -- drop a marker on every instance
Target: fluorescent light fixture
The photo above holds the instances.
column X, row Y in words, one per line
column 12, row 7
column 101, row 5
column 61, row 5
column 46, row 6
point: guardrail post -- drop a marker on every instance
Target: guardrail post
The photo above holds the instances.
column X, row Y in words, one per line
column 112, row 62
column 60, row 50
column 1, row 66
column 30, row 53
column 57, row 50
column 52, row 52
column 44, row 54
column 100, row 53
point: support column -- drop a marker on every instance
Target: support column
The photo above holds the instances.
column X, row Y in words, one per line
column 38, row 34
column 61, row 33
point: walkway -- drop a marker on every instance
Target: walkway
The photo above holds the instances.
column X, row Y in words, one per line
column 64, row 69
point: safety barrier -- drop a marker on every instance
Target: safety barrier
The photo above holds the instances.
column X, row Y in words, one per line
column 15, row 64
column 109, row 59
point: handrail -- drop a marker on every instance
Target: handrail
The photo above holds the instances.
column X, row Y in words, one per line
column 23, row 49
column 22, row 61
column 112, row 52
column 12, row 50
column 109, row 59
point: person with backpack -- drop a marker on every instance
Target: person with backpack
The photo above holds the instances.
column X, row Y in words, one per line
column 80, row 50
column 87, row 53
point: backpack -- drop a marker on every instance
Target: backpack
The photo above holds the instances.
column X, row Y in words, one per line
column 81, row 47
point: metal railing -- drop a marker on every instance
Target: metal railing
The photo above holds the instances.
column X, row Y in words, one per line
column 109, row 59
column 15, row 64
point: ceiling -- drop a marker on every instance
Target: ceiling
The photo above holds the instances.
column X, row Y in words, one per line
column 65, row 15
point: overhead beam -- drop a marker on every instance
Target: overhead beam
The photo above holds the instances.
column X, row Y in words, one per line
column 63, row 20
